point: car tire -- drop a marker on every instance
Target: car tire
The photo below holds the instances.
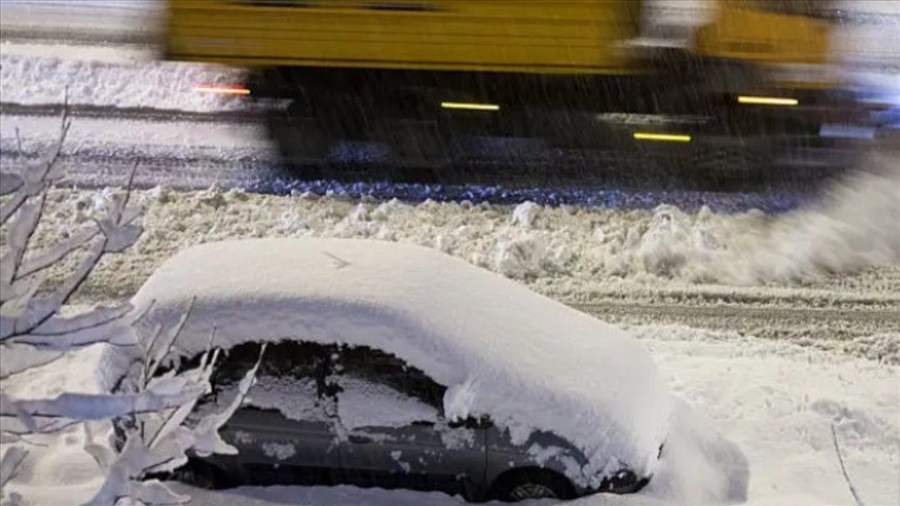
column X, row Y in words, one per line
column 531, row 484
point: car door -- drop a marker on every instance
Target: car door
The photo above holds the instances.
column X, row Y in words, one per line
column 395, row 434
column 285, row 432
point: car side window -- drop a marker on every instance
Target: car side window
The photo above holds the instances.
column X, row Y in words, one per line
column 379, row 367
column 287, row 360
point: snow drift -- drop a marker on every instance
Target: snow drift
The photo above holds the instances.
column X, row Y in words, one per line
column 529, row 362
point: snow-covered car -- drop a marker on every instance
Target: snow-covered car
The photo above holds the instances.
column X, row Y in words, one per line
column 397, row 365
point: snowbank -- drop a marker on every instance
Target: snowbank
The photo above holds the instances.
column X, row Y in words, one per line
column 571, row 253
column 529, row 362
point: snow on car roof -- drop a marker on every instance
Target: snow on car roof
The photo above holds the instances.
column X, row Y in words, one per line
column 528, row 361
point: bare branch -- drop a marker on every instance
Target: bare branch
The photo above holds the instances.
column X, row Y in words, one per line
column 6, row 437
column 128, row 189
column 102, row 454
column 155, row 357
column 12, row 459
column 9, row 183
column 16, row 315
column 10, row 207
column 19, row 235
column 36, row 182
column 837, row 450
column 59, row 251
column 14, row 427
column 83, row 407
column 97, row 316
column 49, row 305
column 16, row 358
column 65, row 124
column 207, row 431
column 177, row 417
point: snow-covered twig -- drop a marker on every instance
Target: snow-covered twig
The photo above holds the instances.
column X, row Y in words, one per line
column 837, row 450
column 25, row 314
column 36, row 182
column 11, row 461
column 167, row 448
column 161, row 396
column 152, row 406
column 155, row 356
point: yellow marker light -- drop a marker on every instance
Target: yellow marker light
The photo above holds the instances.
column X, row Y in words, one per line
column 224, row 90
column 470, row 106
column 768, row 101
column 646, row 136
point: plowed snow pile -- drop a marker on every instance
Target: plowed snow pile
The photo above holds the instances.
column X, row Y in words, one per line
column 566, row 252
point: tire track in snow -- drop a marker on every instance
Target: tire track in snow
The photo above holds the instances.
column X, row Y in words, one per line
column 132, row 113
column 770, row 322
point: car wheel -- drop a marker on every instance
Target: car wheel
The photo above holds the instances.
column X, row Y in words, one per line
column 531, row 484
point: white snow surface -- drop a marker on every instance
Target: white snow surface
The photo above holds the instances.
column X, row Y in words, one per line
column 529, row 362
column 112, row 79
column 775, row 399
column 569, row 253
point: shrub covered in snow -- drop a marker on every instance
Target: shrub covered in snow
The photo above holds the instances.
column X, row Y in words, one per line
column 37, row 328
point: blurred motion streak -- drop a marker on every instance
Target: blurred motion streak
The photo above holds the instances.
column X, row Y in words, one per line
column 768, row 101
column 470, row 106
column 222, row 89
column 646, row 136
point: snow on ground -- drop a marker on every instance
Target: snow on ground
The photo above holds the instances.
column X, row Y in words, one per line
column 44, row 52
column 160, row 85
column 99, row 21
column 570, row 253
column 57, row 465
column 776, row 400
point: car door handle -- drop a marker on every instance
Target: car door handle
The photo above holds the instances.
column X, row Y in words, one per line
column 360, row 440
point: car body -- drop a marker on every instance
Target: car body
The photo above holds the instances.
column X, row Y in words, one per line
column 396, row 365
column 313, row 417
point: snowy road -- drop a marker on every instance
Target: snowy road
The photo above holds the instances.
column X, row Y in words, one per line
column 91, row 21
column 792, row 323
column 182, row 149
